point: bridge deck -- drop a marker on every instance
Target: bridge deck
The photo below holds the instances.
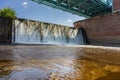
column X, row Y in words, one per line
column 86, row 8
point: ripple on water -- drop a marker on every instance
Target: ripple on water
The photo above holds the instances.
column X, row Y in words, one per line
column 63, row 64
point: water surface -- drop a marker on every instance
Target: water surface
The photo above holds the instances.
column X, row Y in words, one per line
column 59, row 63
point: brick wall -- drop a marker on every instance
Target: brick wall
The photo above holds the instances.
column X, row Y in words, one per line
column 116, row 5
column 102, row 30
column 5, row 30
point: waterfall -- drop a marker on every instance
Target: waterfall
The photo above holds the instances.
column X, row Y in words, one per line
column 34, row 32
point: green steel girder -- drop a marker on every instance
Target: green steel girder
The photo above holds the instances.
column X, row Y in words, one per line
column 86, row 8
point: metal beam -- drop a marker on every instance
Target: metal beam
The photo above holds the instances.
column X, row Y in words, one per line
column 86, row 8
column 100, row 3
column 81, row 3
column 62, row 8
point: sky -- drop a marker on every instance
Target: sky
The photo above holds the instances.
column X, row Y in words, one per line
column 34, row 11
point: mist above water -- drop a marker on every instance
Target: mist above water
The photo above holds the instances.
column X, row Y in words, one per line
column 34, row 32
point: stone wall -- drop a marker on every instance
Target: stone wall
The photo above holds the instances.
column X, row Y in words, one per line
column 102, row 30
column 5, row 30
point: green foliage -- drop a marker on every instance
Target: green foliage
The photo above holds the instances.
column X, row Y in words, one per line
column 8, row 12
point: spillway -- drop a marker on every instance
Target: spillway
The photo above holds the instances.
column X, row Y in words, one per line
column 35, row 32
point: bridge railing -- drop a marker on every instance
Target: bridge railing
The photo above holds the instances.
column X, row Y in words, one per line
column 107, row 2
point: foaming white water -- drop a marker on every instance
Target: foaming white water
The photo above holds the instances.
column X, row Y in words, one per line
column 33, row 32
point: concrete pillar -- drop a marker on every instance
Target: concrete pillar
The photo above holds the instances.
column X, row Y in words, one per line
column 5, row 30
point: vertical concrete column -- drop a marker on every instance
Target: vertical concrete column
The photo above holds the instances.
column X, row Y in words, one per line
column 5, row 30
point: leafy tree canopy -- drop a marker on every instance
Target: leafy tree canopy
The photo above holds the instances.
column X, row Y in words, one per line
column 8, row 12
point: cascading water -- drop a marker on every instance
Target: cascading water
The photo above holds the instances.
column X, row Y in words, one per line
column 34, row 32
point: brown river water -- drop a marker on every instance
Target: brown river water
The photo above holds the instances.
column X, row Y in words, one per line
column 47, row 62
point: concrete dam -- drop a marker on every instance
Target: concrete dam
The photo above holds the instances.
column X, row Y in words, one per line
column 34, row 32
column 22, row 31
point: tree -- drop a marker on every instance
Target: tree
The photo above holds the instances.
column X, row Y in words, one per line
column 8, row 12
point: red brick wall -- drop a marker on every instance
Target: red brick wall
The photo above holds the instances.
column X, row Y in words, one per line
column 116, row 5
column 102, row 30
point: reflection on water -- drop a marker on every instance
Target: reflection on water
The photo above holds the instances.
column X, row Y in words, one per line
column 76, row 63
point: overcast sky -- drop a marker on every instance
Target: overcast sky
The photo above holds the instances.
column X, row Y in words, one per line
column 31, row 10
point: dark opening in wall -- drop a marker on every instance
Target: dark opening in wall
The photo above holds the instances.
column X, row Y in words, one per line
column 84, row 36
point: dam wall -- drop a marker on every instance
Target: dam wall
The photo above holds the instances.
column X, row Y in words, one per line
column 24, row 31
column 102, row 30
column 36, row 32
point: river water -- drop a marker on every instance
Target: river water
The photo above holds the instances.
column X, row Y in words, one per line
column 47, row 62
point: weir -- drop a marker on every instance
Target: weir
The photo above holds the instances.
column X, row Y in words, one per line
column 35, row 32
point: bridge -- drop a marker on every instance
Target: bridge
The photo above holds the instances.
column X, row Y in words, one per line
column 86, row 8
